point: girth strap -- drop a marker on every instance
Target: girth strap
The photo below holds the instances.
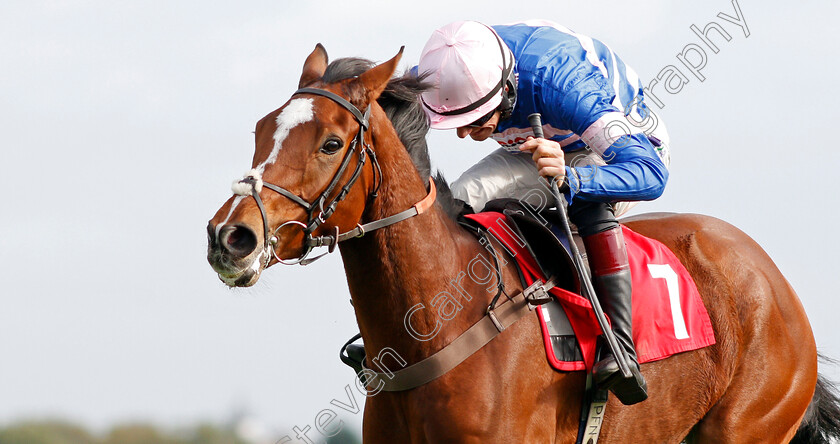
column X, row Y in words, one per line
column 464, row 346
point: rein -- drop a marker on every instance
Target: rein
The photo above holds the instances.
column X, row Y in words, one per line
column 254, row 184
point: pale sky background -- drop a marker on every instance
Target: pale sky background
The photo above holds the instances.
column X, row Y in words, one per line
column 123, row 123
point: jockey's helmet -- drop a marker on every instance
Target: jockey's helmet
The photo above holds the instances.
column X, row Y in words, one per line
column 471, row 69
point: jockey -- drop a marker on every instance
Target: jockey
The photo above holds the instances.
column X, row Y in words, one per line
column 601, row 140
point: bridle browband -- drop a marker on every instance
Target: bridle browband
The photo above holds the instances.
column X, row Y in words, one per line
column 321, row 209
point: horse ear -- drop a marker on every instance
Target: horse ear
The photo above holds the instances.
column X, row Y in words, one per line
column 314, row 66
column 376, row 79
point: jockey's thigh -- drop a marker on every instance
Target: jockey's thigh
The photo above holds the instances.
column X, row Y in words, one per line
column 507, row 174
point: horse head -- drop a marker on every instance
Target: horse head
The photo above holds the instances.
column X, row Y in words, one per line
column 312, row 173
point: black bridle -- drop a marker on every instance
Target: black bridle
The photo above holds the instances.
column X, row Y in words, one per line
column 322, row 208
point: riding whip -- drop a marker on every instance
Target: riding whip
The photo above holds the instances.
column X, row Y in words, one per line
column 561, row 204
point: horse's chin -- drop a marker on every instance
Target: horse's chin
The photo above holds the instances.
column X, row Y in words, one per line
column 245, row 277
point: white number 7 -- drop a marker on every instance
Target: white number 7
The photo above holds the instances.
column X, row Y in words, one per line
column 665, row 271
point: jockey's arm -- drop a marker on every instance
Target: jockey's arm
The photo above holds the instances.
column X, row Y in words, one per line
column 583, row 102
column 633, row 172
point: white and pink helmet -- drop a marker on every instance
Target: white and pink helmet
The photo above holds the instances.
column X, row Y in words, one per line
column 469, row 66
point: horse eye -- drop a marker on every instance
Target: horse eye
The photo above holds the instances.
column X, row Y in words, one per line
column 331, row 146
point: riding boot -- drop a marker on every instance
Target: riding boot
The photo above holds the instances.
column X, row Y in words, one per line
column 611, row 279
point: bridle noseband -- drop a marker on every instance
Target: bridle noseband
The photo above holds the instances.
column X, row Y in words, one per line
column 322, row 208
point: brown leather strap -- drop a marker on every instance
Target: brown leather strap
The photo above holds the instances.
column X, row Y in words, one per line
column 464, row 346
column 360, row 230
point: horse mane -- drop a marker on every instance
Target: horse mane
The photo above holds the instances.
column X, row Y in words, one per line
column 401, row 103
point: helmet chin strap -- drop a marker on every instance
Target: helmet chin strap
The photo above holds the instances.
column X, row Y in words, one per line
column 508, row 98
column 509, row 82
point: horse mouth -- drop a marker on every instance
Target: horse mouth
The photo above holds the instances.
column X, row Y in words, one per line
column 246, row 279
column 239, row 277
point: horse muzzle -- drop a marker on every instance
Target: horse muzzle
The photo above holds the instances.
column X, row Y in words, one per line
column 235, row 253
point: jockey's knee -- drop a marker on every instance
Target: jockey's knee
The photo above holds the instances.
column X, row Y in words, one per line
column 592, row 217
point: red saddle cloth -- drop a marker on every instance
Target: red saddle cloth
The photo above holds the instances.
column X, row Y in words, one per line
column 668, row 315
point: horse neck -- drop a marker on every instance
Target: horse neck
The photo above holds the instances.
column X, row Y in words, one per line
column 392, row 270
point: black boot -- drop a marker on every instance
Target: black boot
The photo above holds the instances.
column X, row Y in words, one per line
column 611, row 278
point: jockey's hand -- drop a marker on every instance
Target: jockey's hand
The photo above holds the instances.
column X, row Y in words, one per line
column 548, row 156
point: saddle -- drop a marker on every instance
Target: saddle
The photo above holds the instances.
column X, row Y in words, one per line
column 542, row 237
column 668, row 314
column 550, row 248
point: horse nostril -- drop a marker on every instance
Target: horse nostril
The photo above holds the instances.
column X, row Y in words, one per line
column 238, row 240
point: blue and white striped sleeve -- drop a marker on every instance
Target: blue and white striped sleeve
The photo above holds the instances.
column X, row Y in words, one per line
column 582, row 99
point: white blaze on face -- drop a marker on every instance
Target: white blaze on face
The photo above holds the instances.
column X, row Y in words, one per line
column 233, row 206
column 298, row 111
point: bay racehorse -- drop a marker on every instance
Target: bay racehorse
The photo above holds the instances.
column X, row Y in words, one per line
column 322, row 169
